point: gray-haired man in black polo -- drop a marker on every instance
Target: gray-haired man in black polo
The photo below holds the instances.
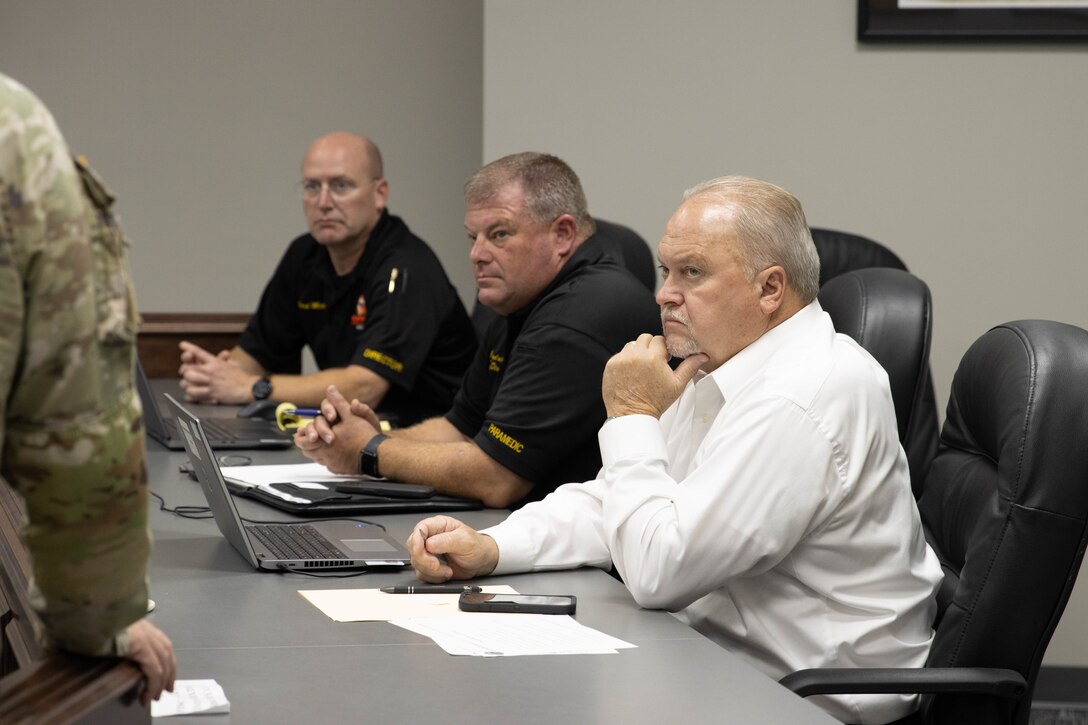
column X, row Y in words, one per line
column 526, row 417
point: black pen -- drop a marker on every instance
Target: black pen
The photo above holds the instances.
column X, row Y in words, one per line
column 430, row 589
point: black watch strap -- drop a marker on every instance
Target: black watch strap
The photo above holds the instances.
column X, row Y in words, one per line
column 368, row 457
column 262, row 389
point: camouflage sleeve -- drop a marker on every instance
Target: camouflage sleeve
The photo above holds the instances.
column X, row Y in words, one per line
column 72, row 443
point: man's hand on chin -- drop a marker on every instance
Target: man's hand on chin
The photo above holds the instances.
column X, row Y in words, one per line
column 638, row 379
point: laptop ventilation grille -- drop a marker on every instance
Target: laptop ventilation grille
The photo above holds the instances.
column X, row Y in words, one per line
column 322, row 563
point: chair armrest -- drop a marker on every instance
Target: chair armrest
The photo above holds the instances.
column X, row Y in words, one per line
column 65, row 688
column 965, row 680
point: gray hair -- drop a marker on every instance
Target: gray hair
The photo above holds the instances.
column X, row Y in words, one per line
column 771, row 230
column 551, row 187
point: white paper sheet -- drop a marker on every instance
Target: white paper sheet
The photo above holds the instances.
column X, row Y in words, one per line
column 480, row 634
column 510, row 635
column 296, row 473
column 373, row 605
column 304, row 475
column 191, row 697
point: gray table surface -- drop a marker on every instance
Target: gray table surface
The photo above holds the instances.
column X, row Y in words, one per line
column 281, row 660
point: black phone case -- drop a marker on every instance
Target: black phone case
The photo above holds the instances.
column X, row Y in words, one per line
column 473, row 602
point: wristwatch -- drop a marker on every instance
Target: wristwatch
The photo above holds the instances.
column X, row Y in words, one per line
column 368, row 457
column 262, row 389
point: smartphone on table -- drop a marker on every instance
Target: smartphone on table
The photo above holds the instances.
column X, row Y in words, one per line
column 517, row 603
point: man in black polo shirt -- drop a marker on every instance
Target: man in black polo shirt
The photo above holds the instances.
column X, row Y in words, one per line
column 526, row 417
column 367, row 296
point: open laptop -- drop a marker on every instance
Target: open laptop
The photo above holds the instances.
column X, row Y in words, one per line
column 278, row 547
column 223, row 433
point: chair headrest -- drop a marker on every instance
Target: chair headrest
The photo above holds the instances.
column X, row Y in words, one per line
column 841, row 252
column 889, row 313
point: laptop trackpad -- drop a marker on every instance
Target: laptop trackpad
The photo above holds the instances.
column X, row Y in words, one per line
column 361, row 546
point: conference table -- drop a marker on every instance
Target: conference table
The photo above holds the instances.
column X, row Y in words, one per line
column 281, row 660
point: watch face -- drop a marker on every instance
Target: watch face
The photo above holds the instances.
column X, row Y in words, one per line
column 368, row 463
column 262, row 389
column 368, row 457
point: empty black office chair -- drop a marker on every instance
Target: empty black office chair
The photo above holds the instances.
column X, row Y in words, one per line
column 889, row 312
column 844, row 252
column 628, row 246
column 1005, row 507
column 841, row 252
column 622, row 243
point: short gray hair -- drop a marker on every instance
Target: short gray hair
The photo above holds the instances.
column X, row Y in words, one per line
column 551, row 187
column 771, row 229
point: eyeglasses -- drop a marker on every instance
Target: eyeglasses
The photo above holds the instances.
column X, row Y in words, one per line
column 338, row 188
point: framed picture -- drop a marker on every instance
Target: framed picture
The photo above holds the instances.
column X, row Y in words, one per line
column 973, row 20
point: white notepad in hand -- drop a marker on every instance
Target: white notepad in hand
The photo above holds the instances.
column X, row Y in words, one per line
column 191, row 697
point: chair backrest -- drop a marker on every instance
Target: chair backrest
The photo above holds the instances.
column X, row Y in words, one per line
column 889, row 313
column 19, row 624
column 629, row 247
column 1005, row 506
column 844, row 252
column 622, row 243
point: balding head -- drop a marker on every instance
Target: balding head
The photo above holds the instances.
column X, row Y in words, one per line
column 343, row 194
column 360, row 148
column 737, row 260
column 769, row 227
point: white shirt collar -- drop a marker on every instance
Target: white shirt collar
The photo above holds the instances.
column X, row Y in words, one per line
column 738, row 370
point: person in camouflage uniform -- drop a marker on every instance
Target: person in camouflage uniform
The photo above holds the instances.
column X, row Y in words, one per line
column 71, row 440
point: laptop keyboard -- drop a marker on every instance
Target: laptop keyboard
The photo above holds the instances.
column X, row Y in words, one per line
column 295, row 541
column 219, row 432
column 216, row 430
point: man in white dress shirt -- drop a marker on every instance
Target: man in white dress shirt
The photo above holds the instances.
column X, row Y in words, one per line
column 758, row 491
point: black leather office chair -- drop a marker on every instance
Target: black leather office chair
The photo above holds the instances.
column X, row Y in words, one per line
column 628, row 246
column 842, row 252
column 890, row 313
column 623, row 243
column 1005, row 507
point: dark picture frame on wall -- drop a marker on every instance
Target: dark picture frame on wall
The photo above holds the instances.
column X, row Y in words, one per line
column 1025, row 21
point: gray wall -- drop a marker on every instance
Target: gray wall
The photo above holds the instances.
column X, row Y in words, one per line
column 970, row 161
column 197, row 115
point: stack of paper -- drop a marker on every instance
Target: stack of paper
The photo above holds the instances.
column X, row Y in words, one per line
column 191, row 697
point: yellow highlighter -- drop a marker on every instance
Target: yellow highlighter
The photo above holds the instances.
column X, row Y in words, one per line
column 289, row 416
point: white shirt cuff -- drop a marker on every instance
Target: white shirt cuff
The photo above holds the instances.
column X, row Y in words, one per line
column 631, row 437
column 515, row 548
